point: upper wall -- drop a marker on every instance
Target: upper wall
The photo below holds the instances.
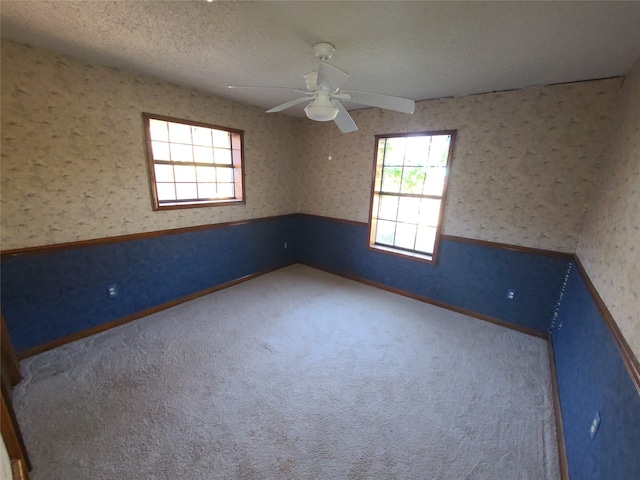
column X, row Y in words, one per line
column 524, row 166
column 609, row 246
column 73, row 158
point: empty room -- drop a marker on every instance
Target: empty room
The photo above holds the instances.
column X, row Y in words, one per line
column 320, row 240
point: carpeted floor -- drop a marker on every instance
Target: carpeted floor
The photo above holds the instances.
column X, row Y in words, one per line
column 297, row 374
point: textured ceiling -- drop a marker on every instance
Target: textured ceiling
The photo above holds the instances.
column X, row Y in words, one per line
column 418, row 50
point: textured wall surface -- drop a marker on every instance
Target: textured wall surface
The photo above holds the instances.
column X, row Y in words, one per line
column 73, row 158
column 524, row 166
column 609, row 246
column 592, row 378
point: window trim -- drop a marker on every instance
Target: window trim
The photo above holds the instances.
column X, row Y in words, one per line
column 238, row 165
column 398, row 252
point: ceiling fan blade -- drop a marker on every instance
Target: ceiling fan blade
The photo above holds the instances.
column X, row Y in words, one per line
column 257, row 87
column 331, row 77
column 290, row 103
column 386, row 102
column 343, row 120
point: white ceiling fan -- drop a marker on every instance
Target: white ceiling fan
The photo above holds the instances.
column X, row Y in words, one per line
column 324, row 94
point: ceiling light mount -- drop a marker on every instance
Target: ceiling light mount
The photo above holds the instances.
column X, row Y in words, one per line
column 324, row 50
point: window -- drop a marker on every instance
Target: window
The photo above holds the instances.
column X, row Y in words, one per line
column 408, row 192
column 193, row 164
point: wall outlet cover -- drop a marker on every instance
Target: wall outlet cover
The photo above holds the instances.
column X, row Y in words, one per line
column 594, row 425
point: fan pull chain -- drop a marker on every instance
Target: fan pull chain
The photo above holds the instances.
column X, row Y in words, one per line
column 330, row 157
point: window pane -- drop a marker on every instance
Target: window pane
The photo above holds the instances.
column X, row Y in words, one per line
column 160, row 151
column 158, row 129
column 179, row 133
column 222, row 155
column 405, row 235
column 426, row 239
column 391, row 177
column 380, row 154
column 388, row 207
column 221, row 139
column 166, row 191
column 385, row 232
column 181, row 153
column 429, row 212
column 375, row 206
column 206, row 190
column 164, row 173
column 417, row 150
column 225, row 190
column 394, row 151
column 439, row 150
column 413, row 180
column 434, row 183
column 203, row 154
column 185, row 173
column 206, row 174
column 201, row 136
column 186, row 191
column 408, row 209
column 224, row 174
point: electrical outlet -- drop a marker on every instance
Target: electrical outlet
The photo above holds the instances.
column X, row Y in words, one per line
column 112, row 290
column 285, row 245
column 511, row 293
column 594, row 425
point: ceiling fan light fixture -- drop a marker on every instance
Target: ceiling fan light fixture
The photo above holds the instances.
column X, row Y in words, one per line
column 321, row 109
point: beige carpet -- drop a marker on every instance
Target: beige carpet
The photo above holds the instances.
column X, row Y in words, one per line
column 297, row 374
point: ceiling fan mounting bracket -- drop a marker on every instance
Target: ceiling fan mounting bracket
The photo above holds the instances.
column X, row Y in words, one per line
column 324, row 50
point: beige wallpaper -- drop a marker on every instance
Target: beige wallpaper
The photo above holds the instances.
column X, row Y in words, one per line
column 73, row 160
column 609, row 246
column 523, row 169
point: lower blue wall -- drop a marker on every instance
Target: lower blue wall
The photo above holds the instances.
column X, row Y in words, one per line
column 47, row 296
column 469, row 276
column 592, row 377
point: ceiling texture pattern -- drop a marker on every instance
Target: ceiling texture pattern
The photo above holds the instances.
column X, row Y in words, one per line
column 418, row 50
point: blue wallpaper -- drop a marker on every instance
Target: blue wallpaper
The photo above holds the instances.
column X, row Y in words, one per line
column 592, row 377
column 468, row 276
column 48, row 296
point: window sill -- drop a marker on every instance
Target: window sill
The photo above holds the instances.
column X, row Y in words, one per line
column 420, row 257
column 177, row 206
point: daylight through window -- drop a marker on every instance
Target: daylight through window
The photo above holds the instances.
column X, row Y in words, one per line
column 193, row 164
column 409, row 186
